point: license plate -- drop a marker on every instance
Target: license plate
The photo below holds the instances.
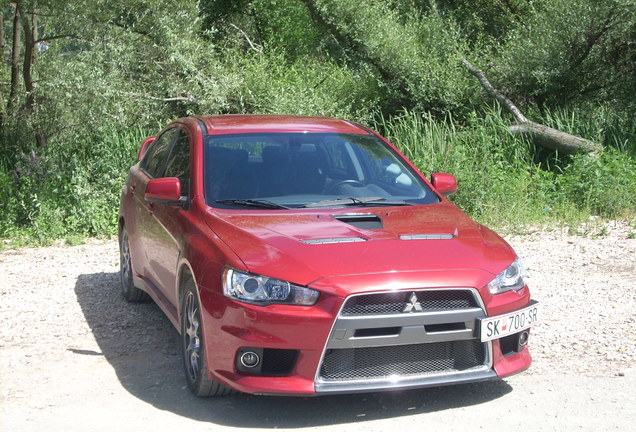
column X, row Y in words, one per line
column 512, row 322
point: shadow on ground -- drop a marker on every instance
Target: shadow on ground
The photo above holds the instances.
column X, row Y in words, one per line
column 142, row 347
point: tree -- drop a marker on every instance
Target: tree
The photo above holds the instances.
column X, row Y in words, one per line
column 413, row 50
column 113, row 58
column 571, row 52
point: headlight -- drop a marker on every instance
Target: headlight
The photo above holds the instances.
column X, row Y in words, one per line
column 258, row 289
column 509, row 279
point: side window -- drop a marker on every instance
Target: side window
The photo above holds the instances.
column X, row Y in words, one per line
column 179, row 162
column 154, row 161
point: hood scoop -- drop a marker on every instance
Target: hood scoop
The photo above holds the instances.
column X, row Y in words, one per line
column 431, row 236
column 333, row 240
column 363, row 221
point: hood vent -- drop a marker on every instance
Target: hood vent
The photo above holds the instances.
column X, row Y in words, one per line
column 363, row 221
column 333, row 240
column 427, row 236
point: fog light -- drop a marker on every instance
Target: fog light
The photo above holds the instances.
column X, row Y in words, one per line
column 250, row 359
column 523, row 338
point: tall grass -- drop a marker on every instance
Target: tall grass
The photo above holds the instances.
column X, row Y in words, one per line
column 505, row 180
column 71, row 188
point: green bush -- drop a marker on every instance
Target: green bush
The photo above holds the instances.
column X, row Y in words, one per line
column 69, row 190
column 604, row 185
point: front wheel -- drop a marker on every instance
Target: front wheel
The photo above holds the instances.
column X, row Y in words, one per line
column 193, row 343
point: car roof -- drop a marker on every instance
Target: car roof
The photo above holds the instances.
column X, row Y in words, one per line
column 235, row 123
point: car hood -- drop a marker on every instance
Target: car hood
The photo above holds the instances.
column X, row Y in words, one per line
column 305, row 246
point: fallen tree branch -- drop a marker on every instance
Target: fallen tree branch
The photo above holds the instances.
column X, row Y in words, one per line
column 255, row 47
column 505, row 102
column 555, row 139
column 160, row 99
column 542, row 135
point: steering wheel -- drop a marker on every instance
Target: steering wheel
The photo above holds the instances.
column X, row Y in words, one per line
column 332, row 188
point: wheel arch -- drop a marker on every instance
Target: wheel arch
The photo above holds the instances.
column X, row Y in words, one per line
column 120, row 224
column 185, row 273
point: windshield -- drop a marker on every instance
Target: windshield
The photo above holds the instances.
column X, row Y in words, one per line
column 293, row 170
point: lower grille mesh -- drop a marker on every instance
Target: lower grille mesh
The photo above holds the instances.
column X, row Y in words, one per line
column 403, row 360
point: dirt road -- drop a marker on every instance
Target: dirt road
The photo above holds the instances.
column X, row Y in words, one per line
column 75, row 357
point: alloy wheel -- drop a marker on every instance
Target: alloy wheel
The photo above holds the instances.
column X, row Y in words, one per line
column 192, row 336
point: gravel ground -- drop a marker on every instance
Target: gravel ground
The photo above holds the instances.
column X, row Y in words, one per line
column 586, row 288
column 70, row 345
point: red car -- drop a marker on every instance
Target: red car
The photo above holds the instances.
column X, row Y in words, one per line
column 307, row 256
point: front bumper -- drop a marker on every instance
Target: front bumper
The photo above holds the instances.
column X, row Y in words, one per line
column 345, row 349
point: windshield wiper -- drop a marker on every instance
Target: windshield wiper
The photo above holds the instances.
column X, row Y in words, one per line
column 351, row 201
column 252, row 203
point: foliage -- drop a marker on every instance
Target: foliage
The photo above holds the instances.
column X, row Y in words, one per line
column 602, row 185
column 69, row 191
column 583, row 52
column 418, row 55
column 99, row 76
column 308, row 87
column 494, row 168
column 502, row 182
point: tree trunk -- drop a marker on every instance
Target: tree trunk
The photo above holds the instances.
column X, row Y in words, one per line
column 346, row 40
column 15, row 62
column 555, row 139
column 542, row 135
column 1, row 37
column 30, row 28
column 27, row 69
column 2, row 106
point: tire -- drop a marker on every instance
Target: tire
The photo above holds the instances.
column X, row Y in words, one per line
column 128, row 290
column 193, row 347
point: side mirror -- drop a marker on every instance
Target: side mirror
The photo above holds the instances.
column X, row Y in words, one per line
column 164, row 191
column 144, row 146
column 445, row 184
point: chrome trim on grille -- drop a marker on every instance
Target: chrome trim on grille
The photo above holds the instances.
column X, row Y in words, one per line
column 413, row 328
column 482, row 374
column 406, row 329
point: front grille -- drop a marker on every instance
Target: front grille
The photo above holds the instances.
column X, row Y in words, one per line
column 394, row 302
column 403, row 361
column 405, row 339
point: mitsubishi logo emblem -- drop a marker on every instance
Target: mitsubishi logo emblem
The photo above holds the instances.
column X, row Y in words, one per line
column 413, row 305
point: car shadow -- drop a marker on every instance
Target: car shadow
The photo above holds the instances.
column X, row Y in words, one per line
column 143, row 348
